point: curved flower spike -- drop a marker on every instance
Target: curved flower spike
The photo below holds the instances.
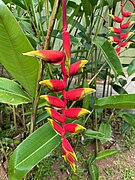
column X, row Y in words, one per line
column 53, row 85
column 115, row 30
column 127, row 25
column 53, row 101
column 116, row 18
column 67, row 50
column 74, row 68
column 76, row 113
column 73, row 128
column 67, row 148
column 126, row 35
column 78, row 94
column 114, row 39
column 55, row 115
column 56, row 127
column 51, row 56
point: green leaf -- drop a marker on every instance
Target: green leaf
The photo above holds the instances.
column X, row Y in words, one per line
column 87, row 7
column 110, row 56
column 119, row 89
column 32, row 150
column 96, row 135
column 105, row 128
column 129, row 118
column 94, row 171
column 11, row 93
column 106, row 153
column 12, row 44
column 118, row 101
column 131, row 68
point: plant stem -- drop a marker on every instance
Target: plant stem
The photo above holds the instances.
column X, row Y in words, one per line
column 14, row 115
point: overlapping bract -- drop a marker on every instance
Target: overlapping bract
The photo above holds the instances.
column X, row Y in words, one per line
column 124, row 37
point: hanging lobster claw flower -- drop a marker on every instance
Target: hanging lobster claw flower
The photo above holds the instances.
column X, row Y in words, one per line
column 56, row 127
column 127, row 25
column 76, row 113
column 125, row 44
column 127, row 14
column 53, row 85
column 67, row 50
column 53, row 101
column 115, row 30
column 78, row 94
column 114, row 39
column 51, row 56
column 73, row 128
column 74, row 68
column 55, row 115
column 126, row 35
column 116, row 18
column 67, row 148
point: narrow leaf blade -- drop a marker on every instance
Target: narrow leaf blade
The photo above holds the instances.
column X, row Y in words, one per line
column 106, row 153
column 118, row 101
column 110, row 56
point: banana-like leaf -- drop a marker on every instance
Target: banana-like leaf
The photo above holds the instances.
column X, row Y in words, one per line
column 110, row 56
column 105, row 128
column 32, row 150
column 12, row 93
column 94, row 171
column 106, row 153
column 13, row 43
column 124, row 101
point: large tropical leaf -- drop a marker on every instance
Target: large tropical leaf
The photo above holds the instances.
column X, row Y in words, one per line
column 12, row 93
column 118, row 101
column 32, row 150
column 12, row 44
column 110, row 56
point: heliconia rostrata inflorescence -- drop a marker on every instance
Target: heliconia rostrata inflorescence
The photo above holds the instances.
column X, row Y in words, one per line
column 122, row 34
column 58, row 120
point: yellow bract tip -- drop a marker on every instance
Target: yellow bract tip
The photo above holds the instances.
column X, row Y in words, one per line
column 83, row 112
column 50, row 121
column 32, row 53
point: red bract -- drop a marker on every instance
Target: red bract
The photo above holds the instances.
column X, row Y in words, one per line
column 51, row 56
column 116, row 18
column 74, row 68
column 53, row 85
column 67, row 50
column 75, row 113
column 126, row 35
column 73, row 128
column 126, row 25
column 115, row 30
column 55, row 115
column 56, row 127
column 67, row 148
column 125, row 44
column 78, row 94
column 127, row 14
column 53, row 101
column 114, row 39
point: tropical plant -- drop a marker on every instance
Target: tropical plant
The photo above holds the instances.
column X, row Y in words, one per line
column 27, row 25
